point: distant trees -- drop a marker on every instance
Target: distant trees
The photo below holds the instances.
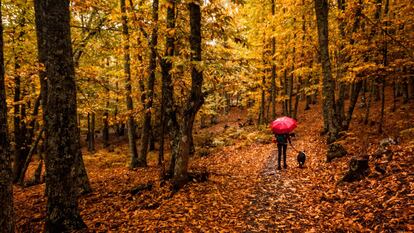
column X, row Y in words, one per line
column 355, row 58
column 62, row 133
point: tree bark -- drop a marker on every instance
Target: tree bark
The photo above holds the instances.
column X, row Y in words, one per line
column 128, row 87
column 291, row 77
column 91, row 132
column 6, row 187
column 297, row 97
column 405, row 86
column 411, row 89
column 286, row 89
column 146, row 127
column 105, row 130
column 321, row 9
column 195, row 100
column 368, row 106
column 169, row 114
column 385, row 63
column 92, row 138
column 273, row 78
column 262, row 102
column 340, row 103
column 261, row 117
column 354, row 99
column 63, row 142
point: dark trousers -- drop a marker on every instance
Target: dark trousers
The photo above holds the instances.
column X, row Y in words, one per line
column 281, row 149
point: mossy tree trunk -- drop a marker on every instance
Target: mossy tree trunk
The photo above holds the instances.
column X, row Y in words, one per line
column 62, row 133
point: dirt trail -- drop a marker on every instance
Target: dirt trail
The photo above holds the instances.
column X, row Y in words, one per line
column 280, row 202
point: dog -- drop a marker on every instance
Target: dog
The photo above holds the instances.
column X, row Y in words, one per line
column 301, row 158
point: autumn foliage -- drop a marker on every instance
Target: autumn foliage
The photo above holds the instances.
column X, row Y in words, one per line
column 170, row 104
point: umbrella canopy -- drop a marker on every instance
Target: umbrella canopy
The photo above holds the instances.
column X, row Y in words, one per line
column 283, row 125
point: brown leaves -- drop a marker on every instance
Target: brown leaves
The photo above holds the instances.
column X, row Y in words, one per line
column 244, row 192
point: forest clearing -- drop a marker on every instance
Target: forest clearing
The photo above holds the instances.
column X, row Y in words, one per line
column 177, row 116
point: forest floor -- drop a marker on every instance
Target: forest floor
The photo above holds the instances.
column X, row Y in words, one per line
column 245, row 192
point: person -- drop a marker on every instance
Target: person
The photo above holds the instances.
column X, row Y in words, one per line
column 282, row 140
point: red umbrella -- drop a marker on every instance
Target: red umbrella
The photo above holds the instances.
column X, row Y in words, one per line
column 283, row 125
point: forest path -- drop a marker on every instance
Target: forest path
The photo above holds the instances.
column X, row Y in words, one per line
column 244, row 193
column 281, row 200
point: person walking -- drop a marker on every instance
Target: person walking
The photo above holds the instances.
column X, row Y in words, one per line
column 282, row 140
column 281, row 128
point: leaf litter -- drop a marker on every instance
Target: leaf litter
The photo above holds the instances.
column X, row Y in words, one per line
column 244, row 193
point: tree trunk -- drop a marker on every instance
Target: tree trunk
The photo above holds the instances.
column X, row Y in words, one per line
column 306, row 81
column 368, row 106
column 297, row 98
column 321, row 9
column 340, row 103
column 290, row 93
column 269, row 100
column 118, row 128
column 273, row 78
column 262, row 102
column 227, row 101
column 105, row 130
column 170, row 119
column 354, row 99
column 128, row 87
column 142, row 159
column 385, row 63
column 151, row 143
column 285, row 102
column 411, row 90
column 6, row 187
column 63, row 142
column 394, row 95
column 405, row 86
column 195, row 100
column 92, row 133
column 291, row 77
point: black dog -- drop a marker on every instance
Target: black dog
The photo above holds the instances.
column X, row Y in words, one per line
column 301, row 158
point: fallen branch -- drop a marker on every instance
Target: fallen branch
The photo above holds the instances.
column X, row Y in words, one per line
column 141, row 187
